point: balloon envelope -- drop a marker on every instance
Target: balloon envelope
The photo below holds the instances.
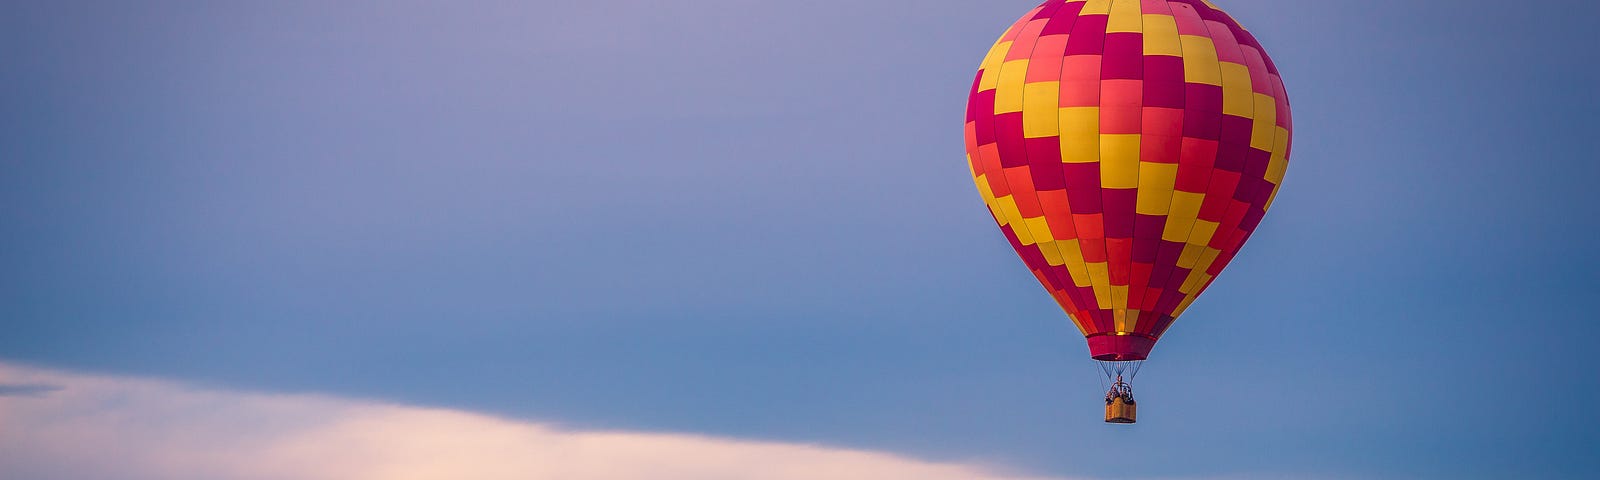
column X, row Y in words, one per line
column 1127, row 149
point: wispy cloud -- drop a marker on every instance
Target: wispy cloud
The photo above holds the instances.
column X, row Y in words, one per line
column 65, row 425
column 26, row 390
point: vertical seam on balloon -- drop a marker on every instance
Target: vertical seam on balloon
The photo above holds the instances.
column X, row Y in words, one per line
column 1173, row 200
column 1280, row 92
column 1178, row 164
column 1243, row 235
column 1025, row 156
column 1137, row 171
column 1277, row 93
column 979, row 151
column 1243, row 166
column 1099, row 159
column 1157, row 332
column 1000, row 69
column 1001, row 174
column 1288, row 134
column 1144, row 29
column 1071, row 289
column 1224, row 116
column 1067, row 286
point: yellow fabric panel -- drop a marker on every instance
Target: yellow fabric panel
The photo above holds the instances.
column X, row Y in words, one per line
column 1096, row 7
column 983, row 188
column 1237, row 98
column 1012, row 216
column 1197, row 278
column 1002, row 213
column 1119, row 160
column 988, row 197
column 1100, row 279
column 1186, row 204
column 1204, row 264
column 999, row 214
column 1161, row 35
column 1200, row 60
column 1039, row 104
column 1191, row 254
column 1270, row 198
column 1080, row 120
column 1039, row 229
column 1008, row 93
column 1263, row 131
column 1234, row 75
column 1125, row 17
column 1023, row 235
column 1119, row 296
column 1080, row 134
column 1052, row 254
column 1181, row 217
column 1155, row 187
column 1073, row 251
column 1127, row 320
column 1203, row 230
column 1006, row 209
column 1280, row 156
column 982, row 181
column 991, row 66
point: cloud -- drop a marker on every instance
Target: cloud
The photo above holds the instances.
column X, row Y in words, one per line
column 83, row 426
column 26, row 390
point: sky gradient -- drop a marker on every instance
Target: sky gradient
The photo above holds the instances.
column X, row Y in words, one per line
column 751, row 220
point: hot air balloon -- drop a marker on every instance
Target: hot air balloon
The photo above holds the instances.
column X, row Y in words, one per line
column 1127, row 149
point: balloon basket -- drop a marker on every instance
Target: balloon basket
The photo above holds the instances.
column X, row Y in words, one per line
column 1119, row 410
column 1120, row 407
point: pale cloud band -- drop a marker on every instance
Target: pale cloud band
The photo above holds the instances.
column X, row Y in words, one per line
column 57, row 425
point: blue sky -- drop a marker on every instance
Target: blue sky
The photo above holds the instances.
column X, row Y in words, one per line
column 752, row 220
